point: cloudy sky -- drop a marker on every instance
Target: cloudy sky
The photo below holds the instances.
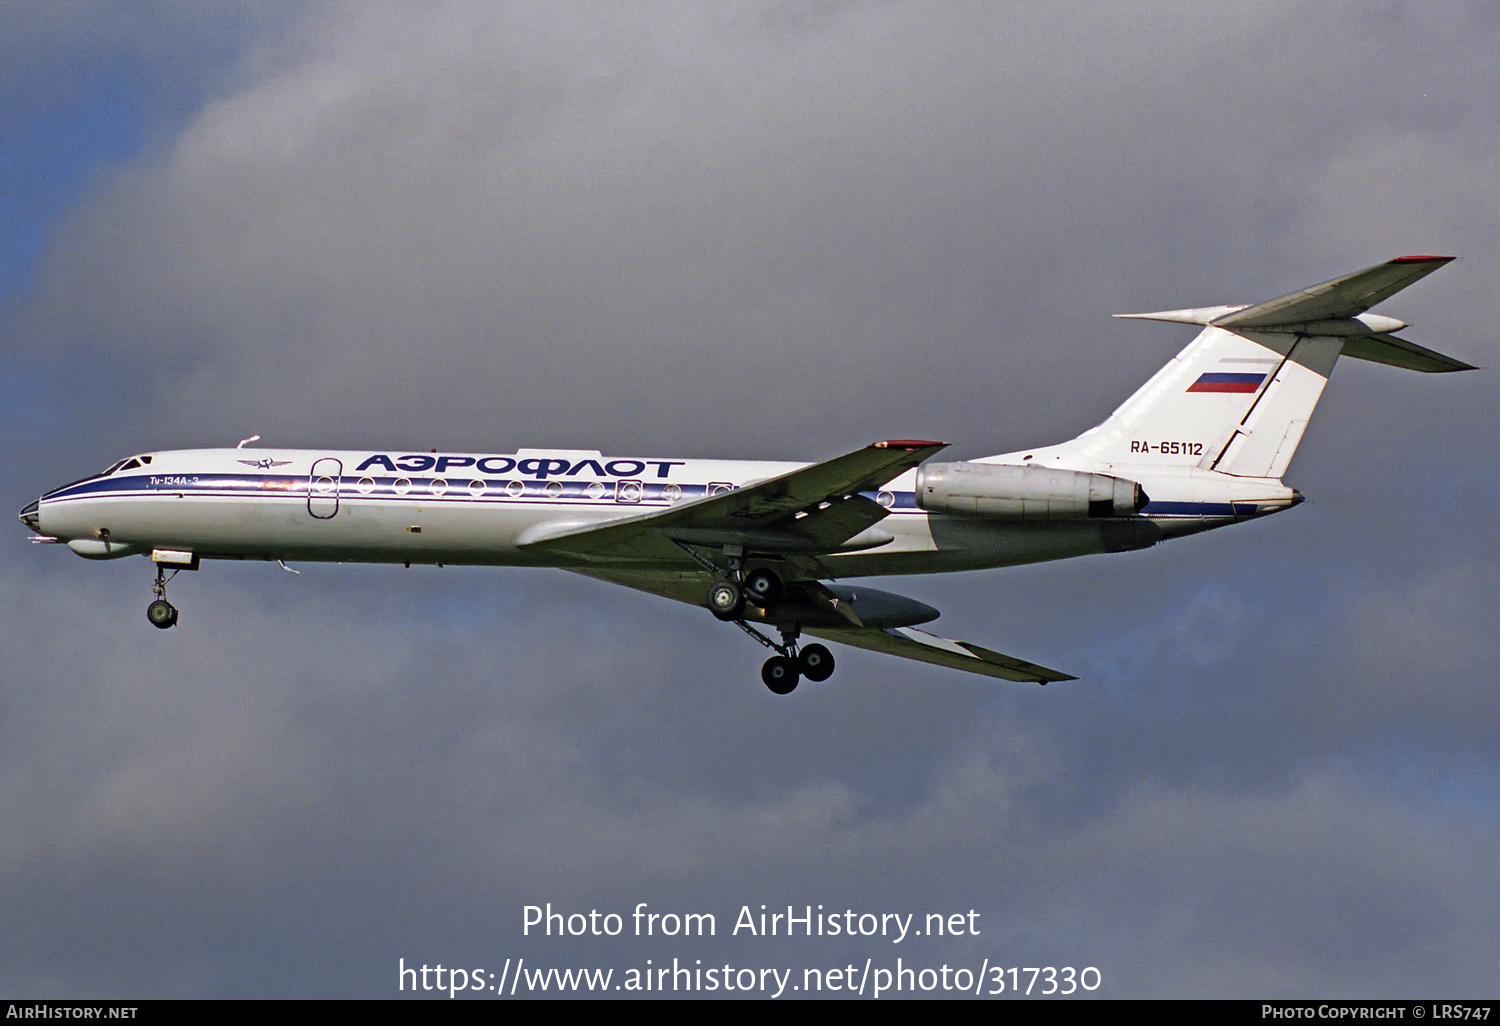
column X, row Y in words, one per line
column 758, row 230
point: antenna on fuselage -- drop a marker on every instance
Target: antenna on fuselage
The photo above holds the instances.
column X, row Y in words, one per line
column 246, row 441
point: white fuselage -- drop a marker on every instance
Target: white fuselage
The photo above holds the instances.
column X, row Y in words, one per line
column 476, row 508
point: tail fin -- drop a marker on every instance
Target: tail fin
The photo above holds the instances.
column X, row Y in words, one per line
column 1238, row 398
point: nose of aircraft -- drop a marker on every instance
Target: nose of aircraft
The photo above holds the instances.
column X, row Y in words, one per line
column 31, row 517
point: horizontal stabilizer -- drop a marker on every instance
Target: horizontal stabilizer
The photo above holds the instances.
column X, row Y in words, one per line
column 1336, row 308
column 1340, row 299
column 1347, row 296
column 1195, row 315
column 1397, row 352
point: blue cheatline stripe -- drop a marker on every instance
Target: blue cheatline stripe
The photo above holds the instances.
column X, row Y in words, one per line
column 420, row 488
column 654, row 496
column 1191, row 509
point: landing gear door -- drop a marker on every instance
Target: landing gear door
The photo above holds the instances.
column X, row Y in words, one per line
column 323, row 488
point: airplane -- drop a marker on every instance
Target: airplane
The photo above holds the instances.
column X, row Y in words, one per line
column 1203, row 444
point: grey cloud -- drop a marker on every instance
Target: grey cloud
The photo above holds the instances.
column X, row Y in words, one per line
column 401, row 212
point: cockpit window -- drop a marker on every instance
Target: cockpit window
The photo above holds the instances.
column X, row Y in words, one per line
column 129, row 463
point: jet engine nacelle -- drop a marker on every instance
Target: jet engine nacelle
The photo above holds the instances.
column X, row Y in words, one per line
column 1025, row 493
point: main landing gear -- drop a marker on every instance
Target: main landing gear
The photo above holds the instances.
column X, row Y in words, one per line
column 727, row 599
column 781, row 672
column 162, row 613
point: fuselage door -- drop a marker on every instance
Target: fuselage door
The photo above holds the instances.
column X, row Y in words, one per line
column 323, row 488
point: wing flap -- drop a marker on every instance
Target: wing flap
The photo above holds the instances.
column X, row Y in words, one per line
column 828, row 527
column 911, row 643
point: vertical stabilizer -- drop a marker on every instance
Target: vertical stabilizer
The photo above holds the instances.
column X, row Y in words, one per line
column 1236, row 403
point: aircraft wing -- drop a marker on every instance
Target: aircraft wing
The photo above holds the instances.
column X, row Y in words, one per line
column 851, row 618
column 809, row 511
column 1345, row 296
column 910, row 643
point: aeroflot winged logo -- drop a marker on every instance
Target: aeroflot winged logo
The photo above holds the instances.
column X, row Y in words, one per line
column 265, row 464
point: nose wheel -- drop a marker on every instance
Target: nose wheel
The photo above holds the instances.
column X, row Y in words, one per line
column 162, row 613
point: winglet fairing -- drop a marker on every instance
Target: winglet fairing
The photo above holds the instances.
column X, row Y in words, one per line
column 1203, row 444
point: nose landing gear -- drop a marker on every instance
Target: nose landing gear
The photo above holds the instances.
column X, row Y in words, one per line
column 162, row 613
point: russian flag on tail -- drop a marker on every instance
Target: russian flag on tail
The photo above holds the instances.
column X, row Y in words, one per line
column 1220, row 381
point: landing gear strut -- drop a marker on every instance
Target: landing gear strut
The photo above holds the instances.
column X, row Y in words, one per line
column 162, row 613
column 727, row 598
